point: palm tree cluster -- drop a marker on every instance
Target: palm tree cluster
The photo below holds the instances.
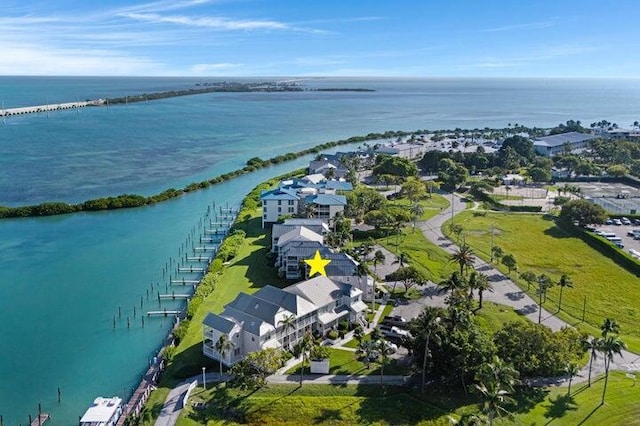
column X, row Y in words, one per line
column 608, row 344
column 460, row 286
column 496, row 382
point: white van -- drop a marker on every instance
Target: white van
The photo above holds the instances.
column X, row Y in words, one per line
column 608, row 235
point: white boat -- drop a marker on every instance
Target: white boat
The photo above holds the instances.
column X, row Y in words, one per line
column 103, row 412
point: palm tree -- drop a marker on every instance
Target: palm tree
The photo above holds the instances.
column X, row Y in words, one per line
column 455, row 283
column 382, row 348
column 222, row 346
column 287, row 323
column 572, row 369
column 302, row 349
column 494, row 398
column 367, row 350
column 591, row 344
column 565, row 281
column 499, row 371
column 416, row 211
column 378, row 257
column 544, row 283
column 609, row 326
column 433, row 324
column 479, row 281
column 309, row 210
column 464, row 257
column 610, row 345
column 402, row 258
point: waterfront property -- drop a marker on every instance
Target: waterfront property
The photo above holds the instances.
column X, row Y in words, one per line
column 295, row 195
column 279, row 318
column 318, row 226
column 103, row 412
column 556, row 144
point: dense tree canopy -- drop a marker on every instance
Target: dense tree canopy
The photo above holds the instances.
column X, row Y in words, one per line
column 388, row 165
column 535, row 350
column 583, row 212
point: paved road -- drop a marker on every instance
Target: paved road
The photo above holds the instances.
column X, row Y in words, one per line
column 505, row 292
column 173, row 404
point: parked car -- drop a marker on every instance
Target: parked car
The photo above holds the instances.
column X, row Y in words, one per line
column 625, row 221
column 396, row 320
column 617, row 222
column 393, row 332
column 608, row 222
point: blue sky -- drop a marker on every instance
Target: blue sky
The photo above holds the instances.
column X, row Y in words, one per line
column 401, row 38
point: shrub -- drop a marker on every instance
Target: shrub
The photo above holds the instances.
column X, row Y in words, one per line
column 320, row 352
column 332, row 334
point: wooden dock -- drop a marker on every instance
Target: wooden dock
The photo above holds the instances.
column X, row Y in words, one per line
column 205, row 249
column 215, row 231
column 190, row 269
column 164, row 313
column 174, row 296
column 184, row 282
column 41, row 419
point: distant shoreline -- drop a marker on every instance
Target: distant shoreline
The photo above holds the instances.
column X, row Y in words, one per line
column 124, row 201
column 201, row 88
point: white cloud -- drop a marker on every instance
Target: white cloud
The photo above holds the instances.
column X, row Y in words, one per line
column 209, row 22
column 27, row 59
column 161, row 6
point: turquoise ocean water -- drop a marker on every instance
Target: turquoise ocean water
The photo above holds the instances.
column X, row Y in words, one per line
column 63, row 278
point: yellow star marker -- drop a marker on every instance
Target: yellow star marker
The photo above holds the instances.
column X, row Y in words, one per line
column 317, row 264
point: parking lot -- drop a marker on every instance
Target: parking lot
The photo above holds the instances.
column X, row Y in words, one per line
column 622, row 231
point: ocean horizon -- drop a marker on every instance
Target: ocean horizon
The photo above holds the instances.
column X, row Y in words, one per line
column 64, row 278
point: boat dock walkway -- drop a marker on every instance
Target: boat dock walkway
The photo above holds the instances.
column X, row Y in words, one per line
column 164, row 312
column 174, row 296
column 41, row 419
column 6, row 112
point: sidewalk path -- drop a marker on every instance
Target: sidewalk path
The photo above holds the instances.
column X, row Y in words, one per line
column 173, row 404
column 506, row 292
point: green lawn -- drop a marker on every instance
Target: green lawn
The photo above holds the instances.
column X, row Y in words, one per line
column 424, row 255
column 493, row 316
column 622, row 405
column 384, row 405
column 541, row 247
column 344, row 362
column 432, row 206
column 315, row 404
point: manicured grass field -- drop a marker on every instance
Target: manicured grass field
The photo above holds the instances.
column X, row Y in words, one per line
column 621, row 407
column 315, row 404
column 424, row 255
column 493, row 316
column 541, row 247
column 384, row 405
column 432, row 206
